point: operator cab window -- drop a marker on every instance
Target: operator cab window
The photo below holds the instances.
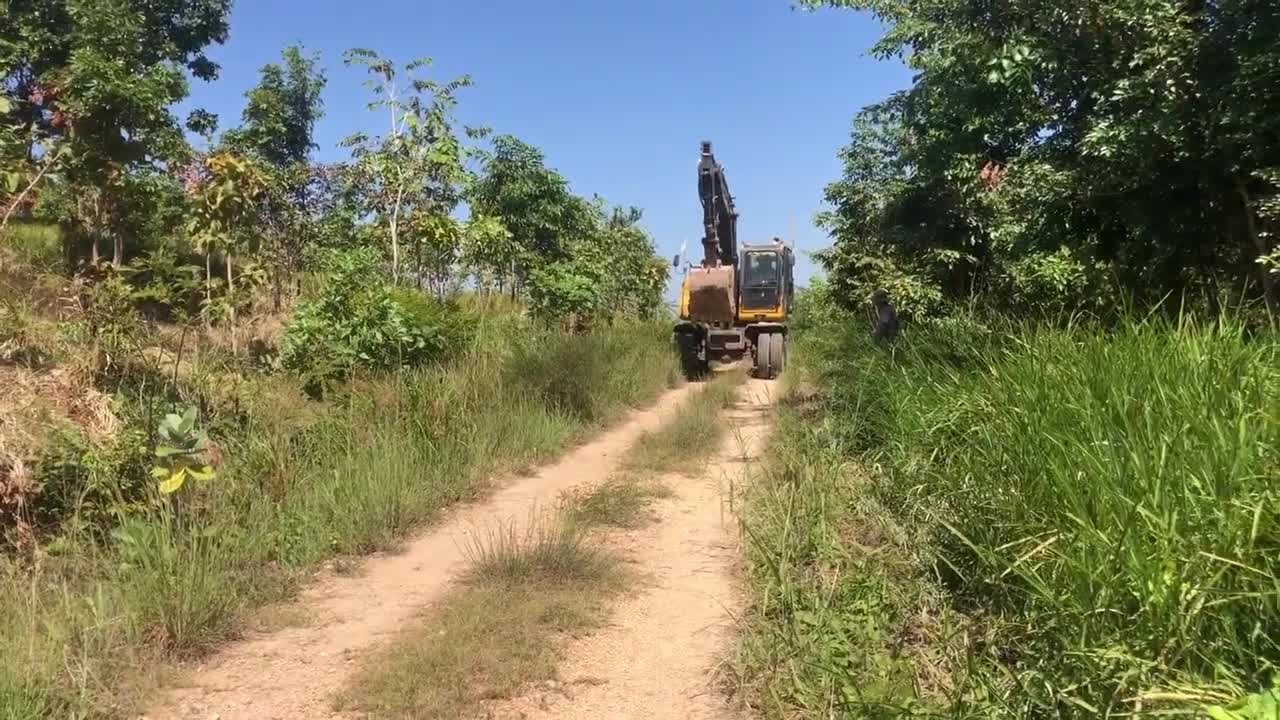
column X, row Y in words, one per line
column 762, row 269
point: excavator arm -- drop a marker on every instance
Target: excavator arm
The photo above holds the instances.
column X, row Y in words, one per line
column 719, row 219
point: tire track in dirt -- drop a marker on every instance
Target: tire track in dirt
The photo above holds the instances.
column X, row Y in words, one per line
column 294, row 673
column 658, row 657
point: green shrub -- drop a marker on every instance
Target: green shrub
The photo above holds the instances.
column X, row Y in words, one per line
column 357, row 321
column 35, row 244
column 95, row 484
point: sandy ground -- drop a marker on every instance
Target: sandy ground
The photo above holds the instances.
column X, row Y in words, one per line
column 294, row 673
column 658, row 658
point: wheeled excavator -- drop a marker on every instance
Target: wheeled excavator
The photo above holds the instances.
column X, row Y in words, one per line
column 735, row 303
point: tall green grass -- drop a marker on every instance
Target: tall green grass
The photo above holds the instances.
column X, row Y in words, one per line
column 85, row 631
column 1067, row 522
column 36, row 244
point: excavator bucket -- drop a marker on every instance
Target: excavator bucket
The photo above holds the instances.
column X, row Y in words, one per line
column 711, row 295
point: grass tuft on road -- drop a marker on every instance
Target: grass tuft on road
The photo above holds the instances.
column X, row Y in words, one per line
column 499, row 632
column 621, row 502
column 684, row 444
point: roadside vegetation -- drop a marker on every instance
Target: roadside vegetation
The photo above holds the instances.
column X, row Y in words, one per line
column 1011, row 520
column 1056, row 494
column 532, row 586
column 225, row 363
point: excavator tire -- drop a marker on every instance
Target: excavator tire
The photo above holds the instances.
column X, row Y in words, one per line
column 764, row 349
column 694, row 367
column 777, row 353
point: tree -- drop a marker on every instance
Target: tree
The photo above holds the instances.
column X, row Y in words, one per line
column 610, row 271
column 101, row 75
column 533, row 201
column 277, row 128
column 1044, row 146
column 225, row 190
column 418, row 167
column 279, row 119
column 489, row 251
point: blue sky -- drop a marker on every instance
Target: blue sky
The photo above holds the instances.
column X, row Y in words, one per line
column 617, row 93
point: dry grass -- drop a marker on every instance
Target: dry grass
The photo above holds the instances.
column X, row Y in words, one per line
column 500, row 632
column 693, row 435
column 621, row 502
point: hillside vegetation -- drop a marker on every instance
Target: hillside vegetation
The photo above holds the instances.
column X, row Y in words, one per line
column 227, row 365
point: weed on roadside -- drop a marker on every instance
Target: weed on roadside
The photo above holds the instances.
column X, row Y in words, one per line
column 1043, row 522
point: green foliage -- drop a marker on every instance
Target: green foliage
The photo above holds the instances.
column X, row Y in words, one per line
column 90, row 485
column 542, row 217
column 225, row 200
column 355, row 321
column 113, row 323
column 1259, row 706
column 455, row 325
column 566, row 290
column 164, row 284
column 564, row 371
column 1100, row 506
column 37, row 245
column 279, row 119
column 180, row 452
column 1049, row 155
column 610, row 271
column 416, row 171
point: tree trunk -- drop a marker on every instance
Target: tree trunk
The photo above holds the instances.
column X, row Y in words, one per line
column 1261, row 246
column 117, row 249
column 208, row 288
column 395, row 251
column 231, row 305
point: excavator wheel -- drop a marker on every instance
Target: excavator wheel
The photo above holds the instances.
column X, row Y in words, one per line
column 777, row 353
column 694, row 366
column 764, row 349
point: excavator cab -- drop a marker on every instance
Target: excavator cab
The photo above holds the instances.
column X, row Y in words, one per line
column 766, row 283
column 738, row 300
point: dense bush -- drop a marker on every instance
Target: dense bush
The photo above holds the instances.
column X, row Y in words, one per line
column 357, row 321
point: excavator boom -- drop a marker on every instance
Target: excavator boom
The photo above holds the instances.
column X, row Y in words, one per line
column 719, row 219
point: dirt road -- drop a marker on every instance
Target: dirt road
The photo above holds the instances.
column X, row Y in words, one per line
column 292, row 674
column 658, row 657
